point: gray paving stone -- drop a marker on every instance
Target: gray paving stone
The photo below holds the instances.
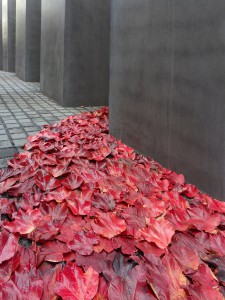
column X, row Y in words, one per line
column 18, row 136
column 11, row 121
column 3, row 137
column 7, row 152
column 20, row 142
column 2, row 131
column 15, row 130
column 5, row 144
column 33, row 132
column 40, row 122
column 26, row 124
column 3, row 163
column 10, row 126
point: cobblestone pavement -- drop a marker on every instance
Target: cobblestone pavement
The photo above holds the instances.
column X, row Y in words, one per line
column 23, row 111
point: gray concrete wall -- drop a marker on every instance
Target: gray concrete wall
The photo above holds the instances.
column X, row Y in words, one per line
column 86, row 64
column 28, row 39
column 52, row 48
column 21, row 6
column 1, row 54
column 75, row 51
column 8, row 34
column 167, row 85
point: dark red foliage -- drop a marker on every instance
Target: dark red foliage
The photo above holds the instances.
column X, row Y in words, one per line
column 85, row 217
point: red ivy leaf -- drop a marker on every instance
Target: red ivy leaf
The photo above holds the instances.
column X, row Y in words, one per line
column 73, row 284
column 24, row 222
column 108, row 225
column 47, row 182
column 8, row 245
column 7, row 184
column 160, row 232
column 72, row 181
column 83, row 242
column 80, row 202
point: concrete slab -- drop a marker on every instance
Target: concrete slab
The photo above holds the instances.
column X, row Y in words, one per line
column 8, row 34
column 75, row 51
column 28, row 39
column 167, row 86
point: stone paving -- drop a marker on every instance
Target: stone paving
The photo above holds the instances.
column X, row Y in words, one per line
column 23, row 112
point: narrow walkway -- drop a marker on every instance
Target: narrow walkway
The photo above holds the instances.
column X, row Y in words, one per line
column 23, row 112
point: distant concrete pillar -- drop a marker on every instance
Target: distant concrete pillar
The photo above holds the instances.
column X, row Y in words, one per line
column 75, row 51
column 1, row 55
column 28, row 39
column 8, row 34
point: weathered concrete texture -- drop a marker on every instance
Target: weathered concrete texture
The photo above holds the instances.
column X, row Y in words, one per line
column 75, row 51
column 167, row 85
column 8, row 34
column 1, row 54
column 28, row 39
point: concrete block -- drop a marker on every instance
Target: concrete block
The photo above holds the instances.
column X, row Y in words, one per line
column 28, row 39
column 167, row 85
column 75, row 51
column 1, row 54
column 8, row 34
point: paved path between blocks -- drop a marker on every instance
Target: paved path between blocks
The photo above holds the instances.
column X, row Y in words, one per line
column 23, row 111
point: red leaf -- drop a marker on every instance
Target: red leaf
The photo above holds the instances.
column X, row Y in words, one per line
column 190, row 191
column 104, row 244
column 108, row 225
column 135, row 218
column 73, row 284
column 150, row 248
column 186, row 256
column 177, row 279
column 20, row 188
column 24, row 222
column 52, row 251
column 203, row 220
column 29, row 284
column 103, row 201
column 57, row 170
column 83, row 242
column 46, row 182
column 98, row 261
column 102, row 293
column 127, row 244
column 80, row 202
column 8, row 267
column 198, row 292
column 204, row 277
column 131, row 286
column 8, row 289
column 178, row 218
column 160, row 232
column 8, row 245
column 6, row 173
column 217, row 244
column 6, row 206
column 72, row 181
column 48, row 275
column 158, row 277
column 7, row 184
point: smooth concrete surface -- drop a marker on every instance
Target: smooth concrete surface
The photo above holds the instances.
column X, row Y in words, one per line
column 28, row 39
column 52, row 48
column 8, row 34
column 75, row 51
column 1, row 54
column 167, row 86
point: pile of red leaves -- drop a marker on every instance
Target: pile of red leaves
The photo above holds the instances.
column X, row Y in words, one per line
column 84, row 217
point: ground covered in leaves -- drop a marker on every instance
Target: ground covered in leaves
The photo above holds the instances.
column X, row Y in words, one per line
column 84, row 217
